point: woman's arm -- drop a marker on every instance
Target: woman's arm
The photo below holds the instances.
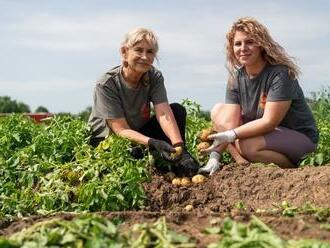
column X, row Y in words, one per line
column 168, row 123
column 121, row 128
column 225, row 116
column 273, row 115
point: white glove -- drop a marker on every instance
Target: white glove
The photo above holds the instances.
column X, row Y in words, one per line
column 212, row 165
column 226, row 137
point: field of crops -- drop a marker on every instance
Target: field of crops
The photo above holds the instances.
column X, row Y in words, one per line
column 57, row 191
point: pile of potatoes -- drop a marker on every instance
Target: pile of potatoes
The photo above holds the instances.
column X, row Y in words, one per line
column 203, row 141
column 184, row 181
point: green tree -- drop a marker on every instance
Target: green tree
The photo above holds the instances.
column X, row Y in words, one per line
column 84, row 115
column 7, row 105
column 41, row 109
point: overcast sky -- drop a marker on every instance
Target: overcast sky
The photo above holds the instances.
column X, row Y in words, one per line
column 53, row 51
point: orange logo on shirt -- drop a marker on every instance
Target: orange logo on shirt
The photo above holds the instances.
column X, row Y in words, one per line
column 263, row 100
column 145, row 111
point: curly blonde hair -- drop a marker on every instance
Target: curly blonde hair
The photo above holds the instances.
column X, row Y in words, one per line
column 272, row 52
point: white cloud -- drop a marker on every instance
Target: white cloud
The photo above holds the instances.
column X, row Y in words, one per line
column 55, row 32
column 192, row 37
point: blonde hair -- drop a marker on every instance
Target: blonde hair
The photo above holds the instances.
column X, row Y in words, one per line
column 139, row 34
column 272, row 52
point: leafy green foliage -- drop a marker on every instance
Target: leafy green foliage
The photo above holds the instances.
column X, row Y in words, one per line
column 47, row 168
column 321, row 110
column 320, row 103
column 85, row 231
column 256, row 234
column 194, row 124
column 322, row 154
column 320, row 213
column 96, row 231
column 157, row 235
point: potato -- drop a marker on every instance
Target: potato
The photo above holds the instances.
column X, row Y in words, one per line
column 177, row 153
column 185, row 181
column 169, row 176
column 203, row 146
column 176, row 181
column 104, row 145
column 204, row 133
column 198, row 179
column 189, row 207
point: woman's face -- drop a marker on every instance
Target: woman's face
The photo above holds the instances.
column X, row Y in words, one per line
column 140, row 57
column 246, row 50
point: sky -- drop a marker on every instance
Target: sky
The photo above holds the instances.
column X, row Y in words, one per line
column 53, row 51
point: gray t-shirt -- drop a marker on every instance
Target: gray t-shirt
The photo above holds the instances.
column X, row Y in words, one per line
column 271, row 85
column 114, row 99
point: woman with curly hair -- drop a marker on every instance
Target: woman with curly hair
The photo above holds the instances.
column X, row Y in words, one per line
column 265, row 117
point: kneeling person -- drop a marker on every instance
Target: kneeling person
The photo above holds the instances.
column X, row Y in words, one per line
column 122, row 103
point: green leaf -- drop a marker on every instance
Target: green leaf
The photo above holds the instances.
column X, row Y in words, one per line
column 212, row 230
column 319, row 158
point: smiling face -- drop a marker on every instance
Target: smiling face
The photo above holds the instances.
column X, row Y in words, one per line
column 247, row 52
column 140, row 57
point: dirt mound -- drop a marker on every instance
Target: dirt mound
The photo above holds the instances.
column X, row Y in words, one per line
column 254, row 187
column 257, row 187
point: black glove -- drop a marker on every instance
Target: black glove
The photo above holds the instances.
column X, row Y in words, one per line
column 186, row 165
column 164, row 148
column 137, row 152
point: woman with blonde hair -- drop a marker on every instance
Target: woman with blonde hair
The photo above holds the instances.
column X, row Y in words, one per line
column 265, row 117
column 123, row 98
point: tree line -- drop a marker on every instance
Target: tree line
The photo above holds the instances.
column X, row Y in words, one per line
column 8, row 105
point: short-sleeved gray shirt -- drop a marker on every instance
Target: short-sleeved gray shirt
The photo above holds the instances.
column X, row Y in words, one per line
column 115, row 99
column 271, row 85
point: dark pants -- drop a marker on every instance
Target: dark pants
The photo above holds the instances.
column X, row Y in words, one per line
column 152, row 128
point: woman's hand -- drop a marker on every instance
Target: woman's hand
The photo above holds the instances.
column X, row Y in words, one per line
column 220, row 138
column 164, row 148
column 213, row 164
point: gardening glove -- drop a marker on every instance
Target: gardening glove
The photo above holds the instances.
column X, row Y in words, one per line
column 137, row 152
column 212, row 165
column 186, row 165
column 220, row 138
column 162, row 147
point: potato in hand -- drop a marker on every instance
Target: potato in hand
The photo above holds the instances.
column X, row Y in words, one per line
column 204, row 134
column 177, row 153
column 202, row 146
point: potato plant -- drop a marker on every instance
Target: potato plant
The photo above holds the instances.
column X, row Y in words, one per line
column 96, row 231
column 48, row 168
column 321, row 109
column 255, row 234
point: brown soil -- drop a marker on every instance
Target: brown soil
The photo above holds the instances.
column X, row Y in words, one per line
column 253, row 187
